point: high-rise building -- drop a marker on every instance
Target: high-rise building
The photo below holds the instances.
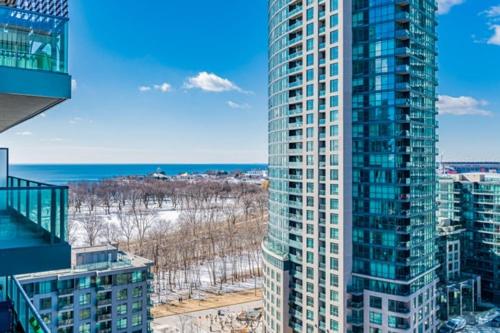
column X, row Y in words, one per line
column 472, row 201
column 106, row 290
column 33, row 215
column 352, row 168
column 47, row 7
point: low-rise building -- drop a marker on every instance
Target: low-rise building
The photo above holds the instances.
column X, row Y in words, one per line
column 106, row 290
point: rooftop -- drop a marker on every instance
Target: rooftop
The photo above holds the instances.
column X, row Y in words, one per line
column 122, row 260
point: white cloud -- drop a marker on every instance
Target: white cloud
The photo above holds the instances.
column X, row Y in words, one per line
column 211, row 82
column 462, row 106
column 444, row 6
column 74, row 84
column 24, row 133
column 75, row 120
column 144, row 88
column 495, row 39
column 234, row 105
column 493, row 12
column 164, row 87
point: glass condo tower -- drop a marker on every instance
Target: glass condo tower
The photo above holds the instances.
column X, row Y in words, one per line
column 352, row 154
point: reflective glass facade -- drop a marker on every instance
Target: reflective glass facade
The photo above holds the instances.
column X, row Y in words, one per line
column 352, row 137
column 394, row 144
column 30, row 40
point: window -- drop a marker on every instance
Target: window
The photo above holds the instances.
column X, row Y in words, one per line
column 310, row 75
column 334, row 20
column 121, row 309
column 375, row 318
column 137, row 306
column 309, row 90
column 310, row 29
column 122, row 294
column 136, row 320
column 310, row 14
column 334, row 37
column 121, row 323
column 375, row 302
column 122, row 278
column 137, row 292
column 310, row 59
column 310, row 44
column 334, row 69
column 84, row 282
column 84, row 328
column 309, row 105
column 84, row 299
column 45, row 303
column 137, row 277
column 85, row 314
column 334, row 53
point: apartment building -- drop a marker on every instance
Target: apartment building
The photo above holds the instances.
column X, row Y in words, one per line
column 472, row 201
column 459, row 292
column 106, row 290
column 351, row 243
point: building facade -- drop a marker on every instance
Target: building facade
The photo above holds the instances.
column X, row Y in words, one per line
column 33, row 215
column 458, row 292
column 106, row 290
column 352, row 145
column 472, row 201
column 46, row 7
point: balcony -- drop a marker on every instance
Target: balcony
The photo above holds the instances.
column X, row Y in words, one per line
column 26, row 314
column 33, row 64
column 402, row 52
column 33, row 227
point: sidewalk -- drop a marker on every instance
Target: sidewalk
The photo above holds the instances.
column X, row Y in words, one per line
column 210, row 302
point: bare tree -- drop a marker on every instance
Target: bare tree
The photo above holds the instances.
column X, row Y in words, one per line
column 126, row 226
column 143, row 221
column 92, row 226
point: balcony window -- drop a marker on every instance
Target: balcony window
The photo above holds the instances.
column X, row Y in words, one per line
column 30, row 40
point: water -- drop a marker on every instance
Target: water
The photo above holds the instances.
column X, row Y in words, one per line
column 65, row 173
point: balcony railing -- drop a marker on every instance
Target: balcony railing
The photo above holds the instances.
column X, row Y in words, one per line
column 41, row 206
column 33, row 225
column 26, row 314
column 29, row 40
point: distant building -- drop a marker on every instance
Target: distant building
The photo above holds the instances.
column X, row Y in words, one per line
column 465, row 167
column 472, row 203
column 458, row 292
column 106, row 290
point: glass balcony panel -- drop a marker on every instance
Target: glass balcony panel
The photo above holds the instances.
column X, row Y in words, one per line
column 33, row 222
column 27, row 315
column 30, row 40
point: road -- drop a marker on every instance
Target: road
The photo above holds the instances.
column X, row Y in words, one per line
column 196, row 322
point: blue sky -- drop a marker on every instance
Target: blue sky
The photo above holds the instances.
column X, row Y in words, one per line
column 185, row 82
